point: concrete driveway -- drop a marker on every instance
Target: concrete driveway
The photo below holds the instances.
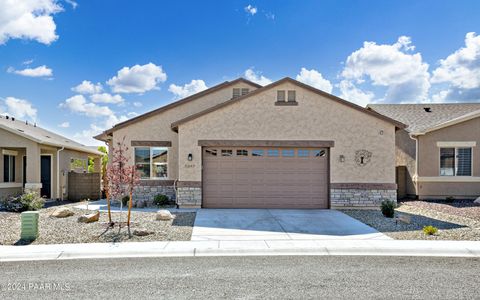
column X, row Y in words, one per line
column 278, row 224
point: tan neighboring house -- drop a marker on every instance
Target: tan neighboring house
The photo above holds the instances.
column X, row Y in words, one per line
column 438, row 154
column 284, row 145
column 35, row 159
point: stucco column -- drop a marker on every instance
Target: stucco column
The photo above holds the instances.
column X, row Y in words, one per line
column 97, row 164
column 33, row 183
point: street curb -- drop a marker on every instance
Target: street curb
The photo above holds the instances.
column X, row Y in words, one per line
column 214, row 248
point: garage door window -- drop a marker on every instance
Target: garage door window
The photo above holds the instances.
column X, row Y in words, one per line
column 211, row 152
column 257, row 152
column 227, row 153
column 303, row 153
column 272, row 152
column 288, row 153
column 319, row 153
column 242, row 152
column 152, row 162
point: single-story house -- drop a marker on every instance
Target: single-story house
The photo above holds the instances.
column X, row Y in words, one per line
column 241, row 145
column 38, row 160
column 438, row 154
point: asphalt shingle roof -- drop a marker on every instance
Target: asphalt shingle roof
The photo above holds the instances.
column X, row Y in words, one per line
column 42, row 136
column 418, row 119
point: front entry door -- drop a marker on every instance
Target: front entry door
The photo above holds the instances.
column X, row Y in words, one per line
column 46, row 176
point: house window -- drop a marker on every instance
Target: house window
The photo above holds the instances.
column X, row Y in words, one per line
column 236, row 93
column 292, row 96
column 152, row 162
column 245, row 91
column 280, row 96
column 78, row 165
column 8, row 168
column 455, row 161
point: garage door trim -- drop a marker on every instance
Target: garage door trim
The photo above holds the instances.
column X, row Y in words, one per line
column 220, row 143
column 267, row 143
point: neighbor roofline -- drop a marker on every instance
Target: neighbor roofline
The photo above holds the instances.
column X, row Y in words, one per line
column 175, row 104
column 281, row 81
column 466, row 117
column 47, row 143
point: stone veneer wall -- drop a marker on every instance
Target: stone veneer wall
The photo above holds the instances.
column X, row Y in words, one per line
column 354, row 197
column 145, row 191
column 190, row 196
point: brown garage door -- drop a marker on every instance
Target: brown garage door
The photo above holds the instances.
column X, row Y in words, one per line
column 259, row 177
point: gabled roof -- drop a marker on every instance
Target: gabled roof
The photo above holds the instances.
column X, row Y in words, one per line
column 422, row 118
column 175, row 104
column 42, row 136
column 300, row 84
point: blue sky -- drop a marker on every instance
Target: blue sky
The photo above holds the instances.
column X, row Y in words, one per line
column 134, row 56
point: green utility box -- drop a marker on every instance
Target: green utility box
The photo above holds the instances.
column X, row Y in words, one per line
column 29, row 225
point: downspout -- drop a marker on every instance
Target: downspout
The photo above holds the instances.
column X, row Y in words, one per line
column 58, row 174
column 415, row 176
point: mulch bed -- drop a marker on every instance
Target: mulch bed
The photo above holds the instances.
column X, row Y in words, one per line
column 68, row 230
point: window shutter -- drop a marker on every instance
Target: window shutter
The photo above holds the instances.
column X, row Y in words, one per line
column 464, row 159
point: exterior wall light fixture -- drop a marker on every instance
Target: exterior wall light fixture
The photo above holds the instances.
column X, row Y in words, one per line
column 342, row 158
column 190, row 157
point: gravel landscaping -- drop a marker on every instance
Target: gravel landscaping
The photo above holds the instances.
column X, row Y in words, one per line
column 68, row 230
column 459, row 220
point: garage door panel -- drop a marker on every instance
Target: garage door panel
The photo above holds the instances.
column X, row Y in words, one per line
column 240, row 181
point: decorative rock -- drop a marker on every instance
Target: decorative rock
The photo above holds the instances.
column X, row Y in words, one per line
column 477, row 201
column 142, row 232
column 404, row 218
column 140, row 204
column 89, row 218
column 62, row 212
column 164, row 215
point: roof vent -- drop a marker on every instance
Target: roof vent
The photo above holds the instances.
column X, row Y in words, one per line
column 427, row 109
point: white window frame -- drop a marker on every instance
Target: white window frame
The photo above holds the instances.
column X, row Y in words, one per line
column 456, row 161
column 151, row 162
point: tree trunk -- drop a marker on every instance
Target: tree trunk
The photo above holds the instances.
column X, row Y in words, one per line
column 109, row 210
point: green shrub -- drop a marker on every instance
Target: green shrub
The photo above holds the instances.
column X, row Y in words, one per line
column 160, row 200
column 430, row 230
column 125, row 200
column 388, row 208
column 25, row 202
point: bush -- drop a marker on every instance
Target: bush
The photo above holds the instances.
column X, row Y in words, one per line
column 430, row 230
column 388, row 208
column 25, row 202
column 125, row 200
column 160, row 200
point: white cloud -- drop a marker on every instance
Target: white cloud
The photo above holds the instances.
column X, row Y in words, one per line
column 42, row 71
column 79, row 104
column 251, row 75
column 72, row 3
column 20, row 108
column 87, row 87
column 404, row 74
column 188, row 89
column 137, row 104
column 137, row 79
column 64, row 125
column 249, row 9
column 314, row 78
column 353, row 94
column 132, row 114
column 107, row 98
column 28, row 19
column 27, row 62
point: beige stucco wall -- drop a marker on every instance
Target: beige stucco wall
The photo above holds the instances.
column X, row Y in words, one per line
column 315, row 118
column 429, row 160
column 64, row 162
column 158, row 127
column 405, row 149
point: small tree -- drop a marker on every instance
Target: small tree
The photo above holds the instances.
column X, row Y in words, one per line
column 103, row 149
column 122, row 178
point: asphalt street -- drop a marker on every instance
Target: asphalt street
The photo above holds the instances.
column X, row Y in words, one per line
column 274, row 277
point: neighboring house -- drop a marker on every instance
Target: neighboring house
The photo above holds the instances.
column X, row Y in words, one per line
column 439, row 150
column 240, row 145
column 34, row 159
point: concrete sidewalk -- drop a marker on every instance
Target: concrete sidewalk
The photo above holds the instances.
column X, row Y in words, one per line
column 242, row 248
